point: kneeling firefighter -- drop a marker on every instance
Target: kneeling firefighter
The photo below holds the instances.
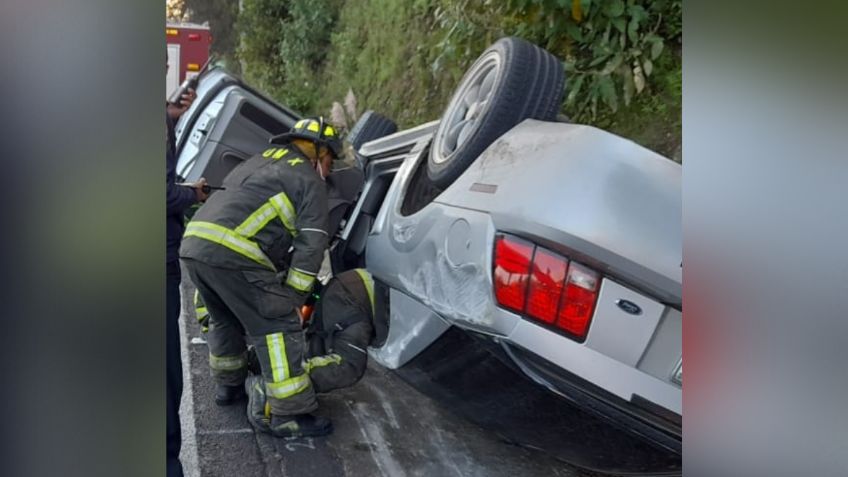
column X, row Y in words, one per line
column 339, row 333
column 253, row 251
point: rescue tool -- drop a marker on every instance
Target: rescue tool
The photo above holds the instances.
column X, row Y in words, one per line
column 206, row 188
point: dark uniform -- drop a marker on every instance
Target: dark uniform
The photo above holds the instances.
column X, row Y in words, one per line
column 341, row 330
column 338, row 337
column 178, row 199
column 253, row 251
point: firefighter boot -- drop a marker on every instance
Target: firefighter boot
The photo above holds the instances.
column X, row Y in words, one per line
column 258, row 410
column 302, row 425
column 226, row 395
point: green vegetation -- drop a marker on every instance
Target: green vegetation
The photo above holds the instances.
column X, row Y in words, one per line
column 404, row 58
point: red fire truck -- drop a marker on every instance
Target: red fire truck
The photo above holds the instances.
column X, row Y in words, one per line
column 188, row 49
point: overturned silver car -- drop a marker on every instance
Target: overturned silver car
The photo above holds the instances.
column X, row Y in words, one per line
column 558, row 243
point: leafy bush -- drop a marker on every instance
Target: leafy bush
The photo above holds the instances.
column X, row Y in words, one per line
column 609, row 47
column 622, row 58
column 612, row 49
column 404, row 58
column 284, row 45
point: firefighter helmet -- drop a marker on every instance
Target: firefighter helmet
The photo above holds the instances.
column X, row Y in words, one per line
column 315, row 130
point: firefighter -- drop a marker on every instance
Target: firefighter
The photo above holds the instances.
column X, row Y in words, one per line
column 253, row 251
column 339, row 333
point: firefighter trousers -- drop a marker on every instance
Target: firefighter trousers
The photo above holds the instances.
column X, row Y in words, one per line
column 250, row 302
column 340, row 368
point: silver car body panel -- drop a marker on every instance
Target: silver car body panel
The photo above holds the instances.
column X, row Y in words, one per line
column 209, row 82
column 198, row 134
column 414, row 327
column 617, row 333
column 583, row 192
column 667, row 341
column 399, row 139
column 607, row 373
column 612, row 200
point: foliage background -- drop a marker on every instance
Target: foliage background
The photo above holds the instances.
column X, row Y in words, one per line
column 403, row 58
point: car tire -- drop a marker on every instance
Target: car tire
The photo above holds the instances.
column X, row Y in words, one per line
column 511, row 81
column 370, row 126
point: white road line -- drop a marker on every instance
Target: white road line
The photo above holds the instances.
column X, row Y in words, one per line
column 226, row 431
column 188, row 452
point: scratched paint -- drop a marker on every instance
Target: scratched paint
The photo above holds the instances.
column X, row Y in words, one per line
column 455, row 291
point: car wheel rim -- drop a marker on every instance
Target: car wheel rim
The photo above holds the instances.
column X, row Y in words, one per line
column 467, row 108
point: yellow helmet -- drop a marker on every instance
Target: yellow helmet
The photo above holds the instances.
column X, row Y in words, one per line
column 315, row 130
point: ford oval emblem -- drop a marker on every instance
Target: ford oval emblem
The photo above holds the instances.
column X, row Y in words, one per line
column 629, row 307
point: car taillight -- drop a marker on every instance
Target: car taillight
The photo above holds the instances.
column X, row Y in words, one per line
column 512, row 271
column 544, row 286
column 578, row 300
column 546, row 283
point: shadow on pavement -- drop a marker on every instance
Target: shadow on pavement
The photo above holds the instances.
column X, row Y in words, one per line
column 465, row 376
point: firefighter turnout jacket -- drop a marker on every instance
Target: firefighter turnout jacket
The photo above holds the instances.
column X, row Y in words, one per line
column 271, row 215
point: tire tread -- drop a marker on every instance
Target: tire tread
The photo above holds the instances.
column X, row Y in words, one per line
column 531, row 86
column 370, row 126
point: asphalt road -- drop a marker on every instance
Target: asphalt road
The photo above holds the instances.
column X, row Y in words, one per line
column 459, row 408
column 383, row 427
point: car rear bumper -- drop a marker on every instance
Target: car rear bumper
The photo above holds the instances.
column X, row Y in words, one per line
column 616, row 378
column 628, row 404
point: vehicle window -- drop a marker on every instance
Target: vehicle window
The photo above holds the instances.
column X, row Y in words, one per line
column 262, row 119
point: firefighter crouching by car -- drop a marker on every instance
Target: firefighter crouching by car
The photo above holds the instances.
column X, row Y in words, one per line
column 339, row 333
column 253, row 251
